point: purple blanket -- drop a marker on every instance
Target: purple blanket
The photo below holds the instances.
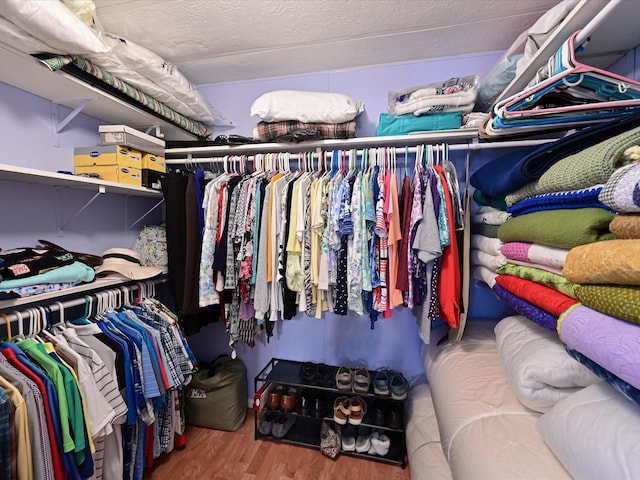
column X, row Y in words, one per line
column 611, row 343
column 533, row 313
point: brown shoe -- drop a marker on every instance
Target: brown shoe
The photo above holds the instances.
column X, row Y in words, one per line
column 275, row 398
column 289, row 399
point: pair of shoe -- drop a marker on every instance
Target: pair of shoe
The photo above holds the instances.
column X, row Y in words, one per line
column 358, row 380
column 349, row 409
column 380, row 443
column 356, row 439
column 317, row 374
column 276, row 423
column 387, row 414
column 314, row 404
column 281, row 398
column 389, row 383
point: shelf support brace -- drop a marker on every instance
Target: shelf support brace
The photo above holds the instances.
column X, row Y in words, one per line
column 58, row 124
column 101, row 190
column 147, row 213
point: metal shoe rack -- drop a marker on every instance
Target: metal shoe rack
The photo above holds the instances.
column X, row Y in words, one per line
column 306, row 429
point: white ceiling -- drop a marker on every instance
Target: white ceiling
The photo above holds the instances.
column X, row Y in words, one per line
column 213, row 41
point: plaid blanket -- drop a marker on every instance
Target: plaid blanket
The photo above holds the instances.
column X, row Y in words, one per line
column 294, row 131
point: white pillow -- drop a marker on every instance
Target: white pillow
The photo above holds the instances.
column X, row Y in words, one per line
column 321, row 107
column 539, row 369
column 595, row 433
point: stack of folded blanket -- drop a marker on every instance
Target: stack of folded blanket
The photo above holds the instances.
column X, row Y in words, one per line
column 486, row 255
column 572, row 243
column 295, row 116
column 437, row 106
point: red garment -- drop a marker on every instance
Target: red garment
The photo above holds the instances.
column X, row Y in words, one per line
column 402, row 281
column 58, row 467
column 450, row 279
column 537, row 294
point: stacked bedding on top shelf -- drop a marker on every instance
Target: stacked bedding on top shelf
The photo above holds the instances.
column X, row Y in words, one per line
column 61, row 40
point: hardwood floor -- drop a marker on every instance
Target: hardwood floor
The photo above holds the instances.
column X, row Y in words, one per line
column 218, row 455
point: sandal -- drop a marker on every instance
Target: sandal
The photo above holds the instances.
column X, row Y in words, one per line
column 361, row 380
column 324, row 376
column 341, row 410
column 381, row 383
column 308, row 372
column 358, row 410
column 398, row 387
column 344, row 379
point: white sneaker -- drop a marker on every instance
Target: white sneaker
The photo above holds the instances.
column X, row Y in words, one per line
column 363, row 442
column 381, row 444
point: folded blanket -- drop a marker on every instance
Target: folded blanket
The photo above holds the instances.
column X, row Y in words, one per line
column 537, row 365
column 538, row 275
column 490, row 216
column 616, row 382
column 286, row 131
column 559, row 228
column 390, row 125
column 610, row 262
column 589, row 167
column 585, row 198
column 485, row 230
column 535, row 253
column 31, row 290
column 625, row 226
column 485, row 275
column 620, row 301
column 622, row 190
column 453, row 95
column 547, row 268
column 593, row 334
column 539, row 295
column 487, row 244
column 478, row 257
column 483, row 198
column 529, row 165
column 533, row 313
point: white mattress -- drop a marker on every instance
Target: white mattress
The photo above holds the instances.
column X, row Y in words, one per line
column 426, row 459
column 486, row 433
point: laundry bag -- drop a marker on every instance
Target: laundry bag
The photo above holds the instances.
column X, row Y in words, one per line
column 216, row 397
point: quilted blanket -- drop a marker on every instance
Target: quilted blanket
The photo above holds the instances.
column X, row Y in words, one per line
column 533, row 313
column 622, row 190
column 589, row 167
column 593, row 333
column 625, row 225
column 559, row 228
column 538, row 275
column 620, row 301
column 535, row 253
column 610, row 262
column 539, row 295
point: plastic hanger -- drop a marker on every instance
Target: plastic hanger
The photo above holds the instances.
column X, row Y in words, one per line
column 7, row 322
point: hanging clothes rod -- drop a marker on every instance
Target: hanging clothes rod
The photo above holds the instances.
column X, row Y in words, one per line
column 237, row 153
column 14, row 313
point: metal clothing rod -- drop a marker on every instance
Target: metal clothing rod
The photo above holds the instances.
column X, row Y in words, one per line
column 399, row 150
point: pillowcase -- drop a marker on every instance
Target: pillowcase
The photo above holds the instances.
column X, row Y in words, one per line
column 322, row 107
column 539, row 370
column 595, row 433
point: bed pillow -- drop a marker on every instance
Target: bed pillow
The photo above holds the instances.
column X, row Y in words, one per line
column 595, row 433
column 322, row 107
column 539, row 370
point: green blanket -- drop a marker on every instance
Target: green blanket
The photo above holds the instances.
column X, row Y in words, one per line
column 544, row 277
column 621, row 301
column 559, row 228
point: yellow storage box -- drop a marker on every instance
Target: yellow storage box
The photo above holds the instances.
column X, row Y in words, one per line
column 154, row 162
column 114, row 173
column 108, row 155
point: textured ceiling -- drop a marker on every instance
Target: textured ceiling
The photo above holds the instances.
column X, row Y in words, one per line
column 213, row 41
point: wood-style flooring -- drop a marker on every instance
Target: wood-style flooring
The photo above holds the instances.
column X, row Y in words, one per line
column 218, row 455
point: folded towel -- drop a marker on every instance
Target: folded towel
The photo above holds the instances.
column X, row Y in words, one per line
column 390, row 125
column 478, row 257
column 485, row 275
column 490, row 216
column 486, row 244
column 453, row 95
column 559, row 228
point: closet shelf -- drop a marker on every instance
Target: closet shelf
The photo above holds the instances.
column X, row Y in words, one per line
column 29, row 175
column 463, row 135
column 26, row 73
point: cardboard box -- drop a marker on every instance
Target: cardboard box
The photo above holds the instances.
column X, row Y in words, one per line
column 151, row 179
column 124, row 135
column 261, row 396
column 154, row 162
column 114, row 173
column 107, row 155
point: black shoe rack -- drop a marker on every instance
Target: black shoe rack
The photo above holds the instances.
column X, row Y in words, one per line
column 306, row 429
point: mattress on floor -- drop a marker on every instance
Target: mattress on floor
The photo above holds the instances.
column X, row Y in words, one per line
column 486, row 433
column 426, row 459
